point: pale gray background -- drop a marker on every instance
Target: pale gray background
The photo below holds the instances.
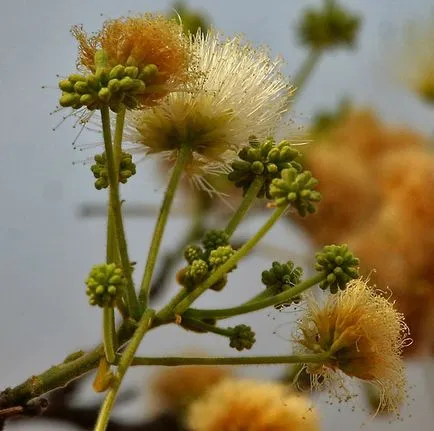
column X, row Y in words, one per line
column 46, row 250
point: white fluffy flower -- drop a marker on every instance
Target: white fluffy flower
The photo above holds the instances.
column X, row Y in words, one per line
column 239, row 92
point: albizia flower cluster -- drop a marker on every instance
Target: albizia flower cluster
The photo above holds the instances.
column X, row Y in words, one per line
column 377, row 185
column 240, row 92
column 365, row 335
column 140, row 41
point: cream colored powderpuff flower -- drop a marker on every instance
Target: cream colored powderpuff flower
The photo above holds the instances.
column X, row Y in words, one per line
column 240, row 92
column 365, row 336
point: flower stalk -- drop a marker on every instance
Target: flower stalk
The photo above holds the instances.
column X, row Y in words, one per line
column 228, row 265
column 115, row 204
column 306, row 69
column 250, row 306
column 123, row 365
column 183, row 157
column 245, row 205
column 109, row 333
column 319, row 358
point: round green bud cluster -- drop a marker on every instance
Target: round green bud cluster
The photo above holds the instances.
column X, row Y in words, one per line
column 193, row 274
column 109, row 86
column 328, row 28
column 242, row 337
column 193, row 252
column 266, row 159
column 281, row 277
column 202, row 261
column 220, row 255
column 214, row 239
column 339, row 265
column 127, row 168
column 296, row 189
column 105, row 284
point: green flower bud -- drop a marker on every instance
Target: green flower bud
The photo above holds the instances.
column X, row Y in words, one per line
column 266, row 159
column 92, row 82
column 193, row 274
column 69, row 99
column 81, row 87
column 127, row 168
column 88, row 99
column 198, row 270
column 66, row 85
column 117, row 72
column 139, row 87
column 105, row 284
column 328, row 28
column 193, row 252
column 75, row 77
column 114, row 85
column 126, row 83
column 104, row 94
column 339, row 265
column 281, row 277
column 296, row 189
column 214, row 239
column 242, row 337
column 148, row 73
column 132, row 71
column 220, row 255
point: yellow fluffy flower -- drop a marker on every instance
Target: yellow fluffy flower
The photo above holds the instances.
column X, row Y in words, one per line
column 365, row 336
column 140, row 41
column 240, row 92
column 241, row 405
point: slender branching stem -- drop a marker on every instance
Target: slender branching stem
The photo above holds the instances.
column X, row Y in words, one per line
column 199, row 324
column 226, row 267
column 317, row 358
column 250, row 306
column 245, row 205
column 183, row 157
column 306, row 69
column 109, row 334
column 117, row 140
column 115, row 204
column 124, row 363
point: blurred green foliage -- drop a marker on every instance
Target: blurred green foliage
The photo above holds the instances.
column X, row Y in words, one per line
column 192, row 20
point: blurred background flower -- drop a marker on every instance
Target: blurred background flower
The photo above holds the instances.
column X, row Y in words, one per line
column 374, row 165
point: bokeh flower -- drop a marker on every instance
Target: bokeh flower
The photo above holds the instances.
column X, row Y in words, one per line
column 415, row 65
column 349, row 162
column 176, row 388
column 365, row 336
column 240, row 92
column 240, row 405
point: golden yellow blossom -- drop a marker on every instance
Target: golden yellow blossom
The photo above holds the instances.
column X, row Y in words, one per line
column 140, row 41
column 241, row 405
column 365, row 336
